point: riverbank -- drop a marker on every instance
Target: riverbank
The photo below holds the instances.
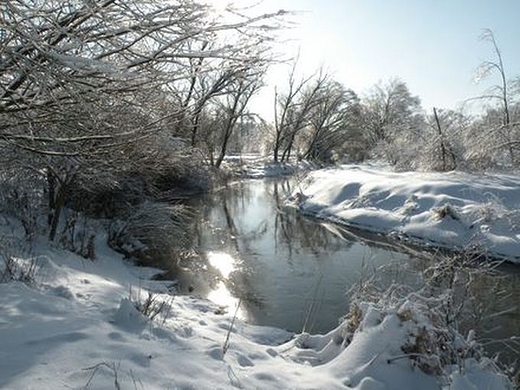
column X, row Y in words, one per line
column 101, row 324
column 474, row 213
column 255, row 166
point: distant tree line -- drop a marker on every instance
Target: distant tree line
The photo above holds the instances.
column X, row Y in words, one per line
column 316, row 118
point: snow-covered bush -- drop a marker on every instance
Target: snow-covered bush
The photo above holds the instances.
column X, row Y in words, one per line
column 422, row 334
column 440, row 317
column 151, row 304
column 12, row 266
column 154, row 234
column 21, row 197
column 495, row 211
column 17, row 269
column 78, row 234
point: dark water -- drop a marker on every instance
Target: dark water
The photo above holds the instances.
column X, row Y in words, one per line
column 294, row 273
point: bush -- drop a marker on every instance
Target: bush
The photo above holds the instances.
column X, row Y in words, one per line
column 14, row 268
column 151, row 305
column 153, row 234
column 434, row 312
column 20, row 199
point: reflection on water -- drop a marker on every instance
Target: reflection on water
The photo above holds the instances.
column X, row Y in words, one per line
column 288, row 271
column 222, row 297
column 294, row 273
column 223, row 262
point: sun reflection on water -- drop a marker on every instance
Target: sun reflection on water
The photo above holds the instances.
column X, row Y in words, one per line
column 223, row 297
column 223, row 262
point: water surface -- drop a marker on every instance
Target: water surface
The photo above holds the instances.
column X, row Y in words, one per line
column 295, row 273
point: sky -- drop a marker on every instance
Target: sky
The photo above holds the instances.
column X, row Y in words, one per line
column 432, row 45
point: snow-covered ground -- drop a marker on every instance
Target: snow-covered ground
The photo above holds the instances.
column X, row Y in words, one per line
column 73, row 324
column 255, row 166
column 455, row 210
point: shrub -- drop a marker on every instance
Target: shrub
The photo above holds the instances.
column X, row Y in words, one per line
column 433, row 313
column 154, row 234
column 15, row 269
column 151, row 304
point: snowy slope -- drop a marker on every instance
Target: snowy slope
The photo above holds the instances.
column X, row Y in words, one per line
column 255, row 166
column 75, row 326
column 453, row 210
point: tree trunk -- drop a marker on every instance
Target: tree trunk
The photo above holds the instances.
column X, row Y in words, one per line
column 441, row 138
column 287, row 152
column 276, row 150
column 58, row 206
column 195, row 129
column 227, row 136
column 222, row 153
column 51, row 193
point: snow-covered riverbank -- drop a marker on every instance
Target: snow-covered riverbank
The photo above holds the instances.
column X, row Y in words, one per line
column 452, row 210
column 255, row 166
column 73, row 323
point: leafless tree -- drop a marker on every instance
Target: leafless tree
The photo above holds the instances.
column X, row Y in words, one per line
column 388, row 109
column 331, row 121
column 392, row 121
column 292, row 110
column 57, row 53
column 235, row 108
column 501, row 90
column 503, row 128
column 85, row 84
column 447, row 147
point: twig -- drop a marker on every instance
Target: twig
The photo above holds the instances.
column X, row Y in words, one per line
column 408, row 355
column 96, row 367
column 228, row 335
column 312, row 308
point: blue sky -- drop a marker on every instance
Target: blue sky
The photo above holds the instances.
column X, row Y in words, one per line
column 433, row 46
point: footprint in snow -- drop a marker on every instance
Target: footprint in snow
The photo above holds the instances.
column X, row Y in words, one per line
column 265, row 376
column 116, row 336
column 216, row 353
column 244, row 361
column 67, row 337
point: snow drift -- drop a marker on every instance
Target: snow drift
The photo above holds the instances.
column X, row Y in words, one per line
column 81, row 324
column 460, row 211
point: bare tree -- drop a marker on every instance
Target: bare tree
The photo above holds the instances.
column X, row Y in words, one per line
column 209, row 79
column 245, row 87
column 84, row 84
column 284, row 107
column 292, row 110
column 330, row 121
column 58, row 53
column 443, row 122
column 220, row 78
column 501, row 93
column 389, row 108
column 392, row 120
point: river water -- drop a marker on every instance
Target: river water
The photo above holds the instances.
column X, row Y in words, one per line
column 295, row 273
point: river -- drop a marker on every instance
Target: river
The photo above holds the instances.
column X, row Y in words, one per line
column 295, row 273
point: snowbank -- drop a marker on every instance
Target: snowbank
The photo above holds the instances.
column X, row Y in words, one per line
column 452, row 210
column 253, row 166
column 75, row 324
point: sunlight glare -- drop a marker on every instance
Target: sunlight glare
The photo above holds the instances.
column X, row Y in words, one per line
column 222, row 297
column 223, row 262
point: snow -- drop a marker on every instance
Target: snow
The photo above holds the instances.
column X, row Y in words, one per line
column 455, row 210
column 75, row 325
column 255, row 166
